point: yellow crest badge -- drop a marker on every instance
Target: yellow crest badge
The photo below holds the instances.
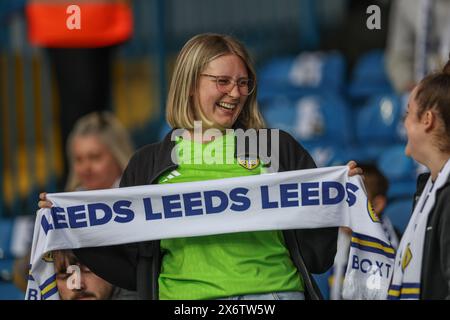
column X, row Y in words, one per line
column 406, row 258
column 48, row 257
column 248, row 163
column 372, row 214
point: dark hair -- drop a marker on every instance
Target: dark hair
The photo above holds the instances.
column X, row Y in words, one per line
column 62, row 259
column 375, row 182
column 433, row 93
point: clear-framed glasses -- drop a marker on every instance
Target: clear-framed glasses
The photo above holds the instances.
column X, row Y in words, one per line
column 226, row 84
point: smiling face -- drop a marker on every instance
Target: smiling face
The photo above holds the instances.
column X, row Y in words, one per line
column 222, row 109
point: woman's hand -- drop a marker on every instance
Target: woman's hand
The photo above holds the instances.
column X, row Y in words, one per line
column 354, row 169
column 43, row 202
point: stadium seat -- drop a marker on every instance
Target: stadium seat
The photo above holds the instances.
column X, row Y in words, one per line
column 322, row 283
column 369, row 77
column 326, row 155
column 6, row 268
column 379, row 122
column 311, row 119
column 165, row 129
column 400, row 170
column 8, row 291
column 6, row 227
column 396, row 165
column 307, row 73
column 399, row 211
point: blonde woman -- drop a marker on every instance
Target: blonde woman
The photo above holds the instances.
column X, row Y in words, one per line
column 99, row 149
column 214, row 82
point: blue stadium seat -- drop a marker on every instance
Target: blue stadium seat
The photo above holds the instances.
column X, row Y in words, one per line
column 6, row 227
column 396, row 165
column 307, row 73
column 369, row 77
column 8, row 291
column 322, row 283
column 6, row 269
column 379, row 122
column 165, row 129
column 326, row 155
column 400, row 170
column 399, row 211
column 7, row 8
column 311, row 119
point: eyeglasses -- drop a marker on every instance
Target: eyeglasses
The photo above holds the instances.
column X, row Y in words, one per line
column 226, row 84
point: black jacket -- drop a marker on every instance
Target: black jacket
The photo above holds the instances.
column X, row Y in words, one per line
column 137, row 266
column 435, row 277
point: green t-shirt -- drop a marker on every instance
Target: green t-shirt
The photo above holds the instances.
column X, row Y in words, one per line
column 217, row 266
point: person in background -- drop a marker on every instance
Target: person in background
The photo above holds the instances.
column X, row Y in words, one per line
column 84, row 285
column 418, row 40
column 377, row 187
column 99, row 149
column 422, row 264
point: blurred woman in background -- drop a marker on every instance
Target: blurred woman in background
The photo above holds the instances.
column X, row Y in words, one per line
column 98, row 149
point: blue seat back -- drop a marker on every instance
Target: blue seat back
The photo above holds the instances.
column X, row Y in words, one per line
column 400, row 170
column 369, row 76
column 6, row 228
column 311, row 119
column 333, row 154
column 165, row 129
column 322, row 282
column 380, row 121
column 8, row 291
column 6, row 269
column 305, row 74
column 396, row 165
column 399, row 212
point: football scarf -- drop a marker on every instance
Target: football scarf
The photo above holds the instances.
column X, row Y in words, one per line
column 303, row 199
column 408, row 261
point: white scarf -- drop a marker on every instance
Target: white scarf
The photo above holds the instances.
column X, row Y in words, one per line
column 408, row 261
column 341, row 260
column 313, row 198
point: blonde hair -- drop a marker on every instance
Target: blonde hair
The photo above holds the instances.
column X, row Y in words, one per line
column 183, row 106
column 110, row 132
